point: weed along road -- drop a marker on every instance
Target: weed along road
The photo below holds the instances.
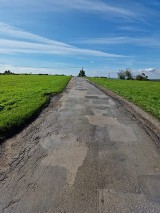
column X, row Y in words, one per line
column 84, row 154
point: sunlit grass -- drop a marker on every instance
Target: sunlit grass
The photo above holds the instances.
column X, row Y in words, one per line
column 21, row 96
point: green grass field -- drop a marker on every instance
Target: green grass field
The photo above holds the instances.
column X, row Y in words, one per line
column 22, row 96
column 145, row 94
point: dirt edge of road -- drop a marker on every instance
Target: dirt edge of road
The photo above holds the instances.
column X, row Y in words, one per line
column 15, row 130
column 151, row 124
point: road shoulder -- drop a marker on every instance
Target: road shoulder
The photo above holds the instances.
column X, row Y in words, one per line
column 149, row 123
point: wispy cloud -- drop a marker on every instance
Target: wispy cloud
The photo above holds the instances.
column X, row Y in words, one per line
column 103, row 41
column 14, row 32
column 130, row 28
column 129, row 10
column 97, row 7
column 23, row 42
column 151, row 41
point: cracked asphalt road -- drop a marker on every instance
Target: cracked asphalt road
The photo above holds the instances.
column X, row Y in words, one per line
column 84, row 154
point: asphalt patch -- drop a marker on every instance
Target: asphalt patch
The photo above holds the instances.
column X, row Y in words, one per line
column 150, row 186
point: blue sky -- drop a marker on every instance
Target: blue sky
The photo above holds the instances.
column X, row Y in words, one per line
column 56, row 37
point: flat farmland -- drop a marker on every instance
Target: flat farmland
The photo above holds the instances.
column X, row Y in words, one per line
column 22, row 96
column 145, row 94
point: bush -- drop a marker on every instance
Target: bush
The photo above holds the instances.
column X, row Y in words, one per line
column 142, row 77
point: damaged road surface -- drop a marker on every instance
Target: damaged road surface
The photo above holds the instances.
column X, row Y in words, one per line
column 84, row 154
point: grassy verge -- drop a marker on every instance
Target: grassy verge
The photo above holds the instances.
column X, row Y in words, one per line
column 145, row 94
column 22, row 96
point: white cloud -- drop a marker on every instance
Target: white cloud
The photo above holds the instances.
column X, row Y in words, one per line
column 31, row 43
column 39, row 70
column 151, row 70
column 152, row 73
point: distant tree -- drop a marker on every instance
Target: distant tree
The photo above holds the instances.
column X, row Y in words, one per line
column 8, row 72
column 142, row 77
column 121, row 75
column 125, row 74
column 128, row 74
column 82, row 73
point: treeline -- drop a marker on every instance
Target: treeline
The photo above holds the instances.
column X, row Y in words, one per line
column 127, row 75
column 8, row 72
